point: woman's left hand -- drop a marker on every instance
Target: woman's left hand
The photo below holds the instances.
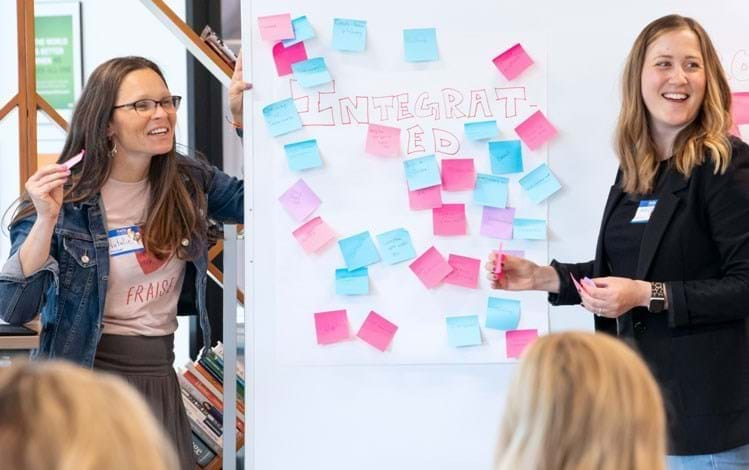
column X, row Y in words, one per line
column 613, row 296
column 236, row 89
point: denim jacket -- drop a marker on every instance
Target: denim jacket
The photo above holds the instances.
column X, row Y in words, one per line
column 71, row 287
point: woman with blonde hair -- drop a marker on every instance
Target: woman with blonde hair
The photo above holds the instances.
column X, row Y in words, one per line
column 56, row 416
column 582, row 401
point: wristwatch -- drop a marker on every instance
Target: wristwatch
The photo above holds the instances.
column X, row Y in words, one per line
column 657, row 297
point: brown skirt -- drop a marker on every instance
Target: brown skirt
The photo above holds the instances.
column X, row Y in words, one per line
column 145, row 362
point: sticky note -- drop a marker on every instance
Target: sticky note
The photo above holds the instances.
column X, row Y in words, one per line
column 431, row 268
column 285, row 56
column 396, row 246
column 331, row 327
column 513, row 62
column 463, row 331
column 420, row 44
column 299, row 200
column 480, row 130
column 377, row 331
column 358, row 250
column 517, row 253
column 450, row 219
column 540, row 183
column 427, row 198
column 349, row 35
column 355, row 282
column 502, row 314
column 458, row 174
column 303, row 155
column 311, row 72
column 465, row 271
column 740, row 107
column 281, row 117
column 529, row 229
column 422, row 172
column 275, row 27
column 491, row 190
column 314, row 235
column 505, row 157
column 302, row 31
column 497, row 222
column 384, row 141
column 536, row 130
column 74, row 160
column 518, row 340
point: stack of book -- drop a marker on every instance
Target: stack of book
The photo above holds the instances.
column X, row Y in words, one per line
column 202, row 394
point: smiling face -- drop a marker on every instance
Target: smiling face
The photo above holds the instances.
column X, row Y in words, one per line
column 673, row 81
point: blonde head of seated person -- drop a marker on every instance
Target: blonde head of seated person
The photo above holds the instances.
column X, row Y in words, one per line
column 57, row 416
column 582, row 401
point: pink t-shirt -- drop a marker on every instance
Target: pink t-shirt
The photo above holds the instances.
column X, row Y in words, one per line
column 142, row 292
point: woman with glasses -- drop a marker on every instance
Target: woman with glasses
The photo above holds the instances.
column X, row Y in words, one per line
column 110, row 249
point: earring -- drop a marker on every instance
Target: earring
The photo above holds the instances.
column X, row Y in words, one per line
column 113, row 152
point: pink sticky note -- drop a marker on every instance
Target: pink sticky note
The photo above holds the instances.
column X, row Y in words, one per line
column 431, row 268
column 740, row 107
column 427, row 198
column 497, row 222
column 458, row 174
column 518, row 340
column 465, row 271
column 450, row 219
column 299, row 200
column 285, row 56
column 331, row 327
column 314, row 235
column 513, row 61
column 74, row 160
column 536, row 130
column 377, row 331
column 275, row 27
column 384, row 141
column 498, row 260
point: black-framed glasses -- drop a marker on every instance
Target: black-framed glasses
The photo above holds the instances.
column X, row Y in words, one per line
column 147, row 107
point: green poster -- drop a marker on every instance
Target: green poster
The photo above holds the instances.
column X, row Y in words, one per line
column 55, row 79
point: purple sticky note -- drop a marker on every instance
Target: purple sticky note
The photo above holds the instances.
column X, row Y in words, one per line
column 513, row 61
column 450, row 219
column 458, row 174
column 431, row 268
column 536, row 130
column 518, row 340
column 497, row 222
column 299, row 200
column 427, row 198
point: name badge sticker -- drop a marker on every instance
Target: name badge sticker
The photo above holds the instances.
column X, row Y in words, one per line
column 125, row 240
column 644, row 211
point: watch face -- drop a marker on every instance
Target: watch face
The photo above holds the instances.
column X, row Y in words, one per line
column 656, row 305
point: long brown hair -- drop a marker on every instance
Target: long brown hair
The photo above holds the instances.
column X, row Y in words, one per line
column 707, row 134
column 177, row 200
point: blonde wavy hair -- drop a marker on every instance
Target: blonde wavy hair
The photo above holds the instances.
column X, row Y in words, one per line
column 707, row 134
column 57, row 416
column 582, row 401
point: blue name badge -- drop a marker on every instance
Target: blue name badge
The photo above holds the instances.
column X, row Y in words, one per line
column 125, row 240
column 644, row 211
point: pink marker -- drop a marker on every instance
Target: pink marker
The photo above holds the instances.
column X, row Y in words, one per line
column 577, row 284
column 588, row 282
column 498, row 262
column 74, row 160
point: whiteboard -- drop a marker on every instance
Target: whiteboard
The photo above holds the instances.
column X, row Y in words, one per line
column 422, row 404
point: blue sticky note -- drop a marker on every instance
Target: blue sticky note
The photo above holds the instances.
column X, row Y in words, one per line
column 311, row 72
column 480, row 130
column 540, row 183
column 358, row 251
column 420, row 44
column 396, row 246
column 349, row 35
column 302, row 31
column 529, row 229
column 506, row 157
column 303, row 155
column 502, row 314
column 422, row 172
column 354, row 282
column 463, row 331
column 491, row 190
column 282, row 117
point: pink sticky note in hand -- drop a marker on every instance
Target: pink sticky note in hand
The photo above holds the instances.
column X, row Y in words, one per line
column 465, row 271
column 536, row 130
column 275, row 27
column 331, row 327
column 384, row 141
column 518, row 340
column 497, row 222
column 314, row 235
column 74, row 160
column 427, row 198
column 458, row 174
column 431, row 268
column 285, row 56
column 450, row 219
column 377, row 331
column 299, row 200
column 513, row 61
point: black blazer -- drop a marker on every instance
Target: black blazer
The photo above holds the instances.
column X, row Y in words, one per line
column 697, row 242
